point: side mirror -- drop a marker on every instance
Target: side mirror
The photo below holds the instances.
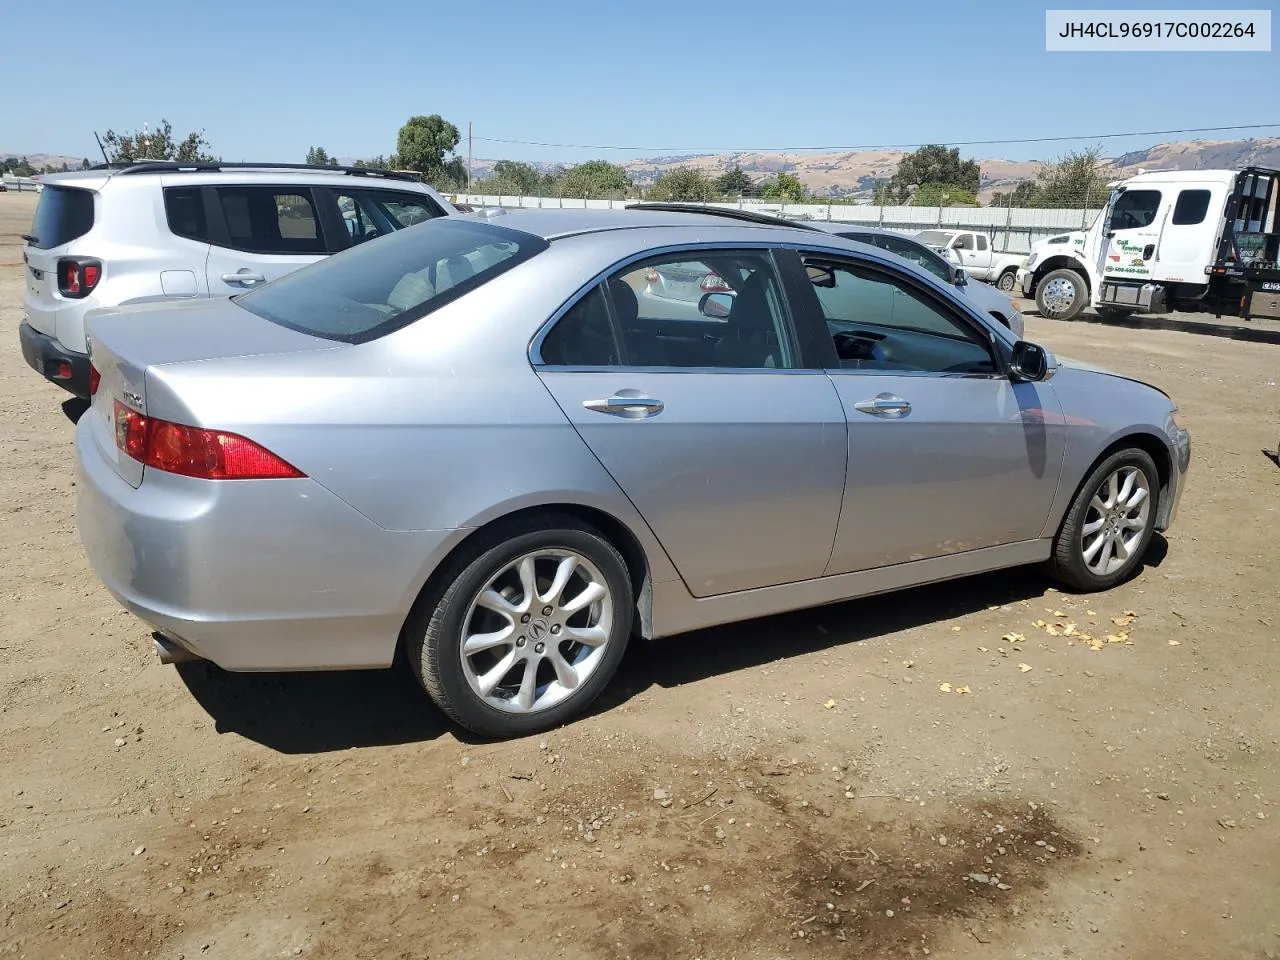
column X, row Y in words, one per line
column 1031, row 363
column 716, row 306
column 960, row 278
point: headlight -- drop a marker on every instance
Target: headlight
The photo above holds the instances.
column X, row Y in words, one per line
column 1178, row 420
column 1031, row 260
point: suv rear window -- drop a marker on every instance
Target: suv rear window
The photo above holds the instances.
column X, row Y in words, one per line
column 62, row 215
column 374, row 289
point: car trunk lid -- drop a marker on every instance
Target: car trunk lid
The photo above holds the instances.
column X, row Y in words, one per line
column 125, row 343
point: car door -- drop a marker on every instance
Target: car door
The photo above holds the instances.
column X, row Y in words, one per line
column 258, row 233
column 1130, row 234
column 722, row 430
column 946, row 454
column 966, row 253
column 1189, row 237
column 982, row 256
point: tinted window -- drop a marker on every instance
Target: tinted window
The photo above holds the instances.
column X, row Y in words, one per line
column 1191, row 207
column 184, row 210
column 963, row 242
column 375, row 213
column 279, row 220
column 1135, row 208
column 62, row 215
column 373, row 289
column 583, row 336
column 659, row 318
column 982, row 242
column 880, row 324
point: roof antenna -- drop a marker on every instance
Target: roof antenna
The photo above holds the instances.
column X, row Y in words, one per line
column 105, row 158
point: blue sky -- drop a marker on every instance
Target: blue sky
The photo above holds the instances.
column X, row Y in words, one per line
column 267, row 79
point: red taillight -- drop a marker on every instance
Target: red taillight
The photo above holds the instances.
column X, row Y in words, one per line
column 77, row 278
column 711, row 283
column 94, row 379
column 194, row 451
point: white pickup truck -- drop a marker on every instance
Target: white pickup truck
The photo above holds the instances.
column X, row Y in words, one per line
column 976, row 254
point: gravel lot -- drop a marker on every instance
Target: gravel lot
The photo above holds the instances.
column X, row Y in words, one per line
column 797, row 786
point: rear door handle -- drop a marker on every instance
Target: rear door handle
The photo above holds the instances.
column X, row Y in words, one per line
column 243, row 276
column 628, row 404
column 884, row 405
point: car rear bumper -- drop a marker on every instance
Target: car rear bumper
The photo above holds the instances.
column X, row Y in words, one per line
column 251, row 574
column 67, row 368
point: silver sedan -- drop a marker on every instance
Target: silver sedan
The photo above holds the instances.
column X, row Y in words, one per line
column 470, row 443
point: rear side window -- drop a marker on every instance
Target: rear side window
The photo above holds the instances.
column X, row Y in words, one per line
column 374, row 289
column 982, row 242
column 184, row 210
column 367, row 214
column 1191, row 208
column 62, row 215
column 280, row 220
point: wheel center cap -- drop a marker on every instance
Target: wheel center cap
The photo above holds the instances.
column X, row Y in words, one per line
column 537, row 630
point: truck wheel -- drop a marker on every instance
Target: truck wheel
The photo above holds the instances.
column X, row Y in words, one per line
column 1007, row 280
column 1115, row 314
column 1061, row 295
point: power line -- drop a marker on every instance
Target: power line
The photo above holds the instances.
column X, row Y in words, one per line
column 877, row 146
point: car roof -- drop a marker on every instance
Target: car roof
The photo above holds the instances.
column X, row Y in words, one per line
column 218, row 172
column 553, row 224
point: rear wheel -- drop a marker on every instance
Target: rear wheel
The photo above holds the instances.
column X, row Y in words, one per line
column 1007, row 280
column 527, row 631
column 1110, row 523
column 1061, row 295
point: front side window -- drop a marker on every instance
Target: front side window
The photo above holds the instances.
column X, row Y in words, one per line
column 1191, row 208
column 367, row 214
column 373, row 289
column 963, row 242
column 1134, row 209
column 880, row 324
column 724, row 310
column 273, row 220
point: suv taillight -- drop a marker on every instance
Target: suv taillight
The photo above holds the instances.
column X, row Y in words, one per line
column 193, row 451
column 94, row 379
column 77, row 276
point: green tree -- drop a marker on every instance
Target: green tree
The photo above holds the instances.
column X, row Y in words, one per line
column 84, row 164
column 377, row 163
column 318, row 156
column 1022, row 195
column 682, row 183
column 932, row 164
column 157, row 144
column 522, row 178
column 1075, row 179
column 426, row 145
column 594, row 179
column 785, row 188
column 943, row 195
column 734, row 183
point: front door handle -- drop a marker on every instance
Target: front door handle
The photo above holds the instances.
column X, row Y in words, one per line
column 884, row 405
column 243, row 276
column 628, row 404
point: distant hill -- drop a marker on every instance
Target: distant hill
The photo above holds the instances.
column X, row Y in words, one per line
column 42, row 160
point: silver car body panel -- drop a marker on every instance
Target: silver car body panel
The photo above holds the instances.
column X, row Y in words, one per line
column 753, row 493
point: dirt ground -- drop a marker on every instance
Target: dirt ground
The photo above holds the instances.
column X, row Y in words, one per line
column 801, row 786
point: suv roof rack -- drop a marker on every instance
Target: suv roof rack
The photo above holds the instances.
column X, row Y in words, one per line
column 215, row 166
column 729, row 213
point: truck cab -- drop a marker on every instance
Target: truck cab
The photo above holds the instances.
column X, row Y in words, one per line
column 1168, row 240
column 975, row 253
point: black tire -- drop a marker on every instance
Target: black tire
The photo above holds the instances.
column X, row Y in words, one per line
column 1113, row 313
column 1006, row 280
column 433, row 634
column 1067, row 564
column 1047, row 287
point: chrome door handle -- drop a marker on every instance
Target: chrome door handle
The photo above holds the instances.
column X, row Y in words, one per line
column 244, row 276
column 629, row 404
column 884, row 405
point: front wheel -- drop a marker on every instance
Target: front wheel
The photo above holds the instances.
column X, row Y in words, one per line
column 528, row 632
column 1109, row 525
column 1007, row 280
column 1061, row 295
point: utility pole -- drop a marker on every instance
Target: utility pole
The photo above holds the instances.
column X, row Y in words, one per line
column 468, row 156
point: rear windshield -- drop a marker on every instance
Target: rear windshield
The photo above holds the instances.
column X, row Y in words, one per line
column 62, row 215
column 380, row 286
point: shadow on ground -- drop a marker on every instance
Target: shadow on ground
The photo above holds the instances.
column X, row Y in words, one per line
column 1232, row 328
column 320, row 712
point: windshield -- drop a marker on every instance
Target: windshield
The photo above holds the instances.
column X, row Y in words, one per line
column 385, row 284
column 934, row 238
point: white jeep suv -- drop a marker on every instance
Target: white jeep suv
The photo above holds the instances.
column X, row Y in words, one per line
column 157, row 230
